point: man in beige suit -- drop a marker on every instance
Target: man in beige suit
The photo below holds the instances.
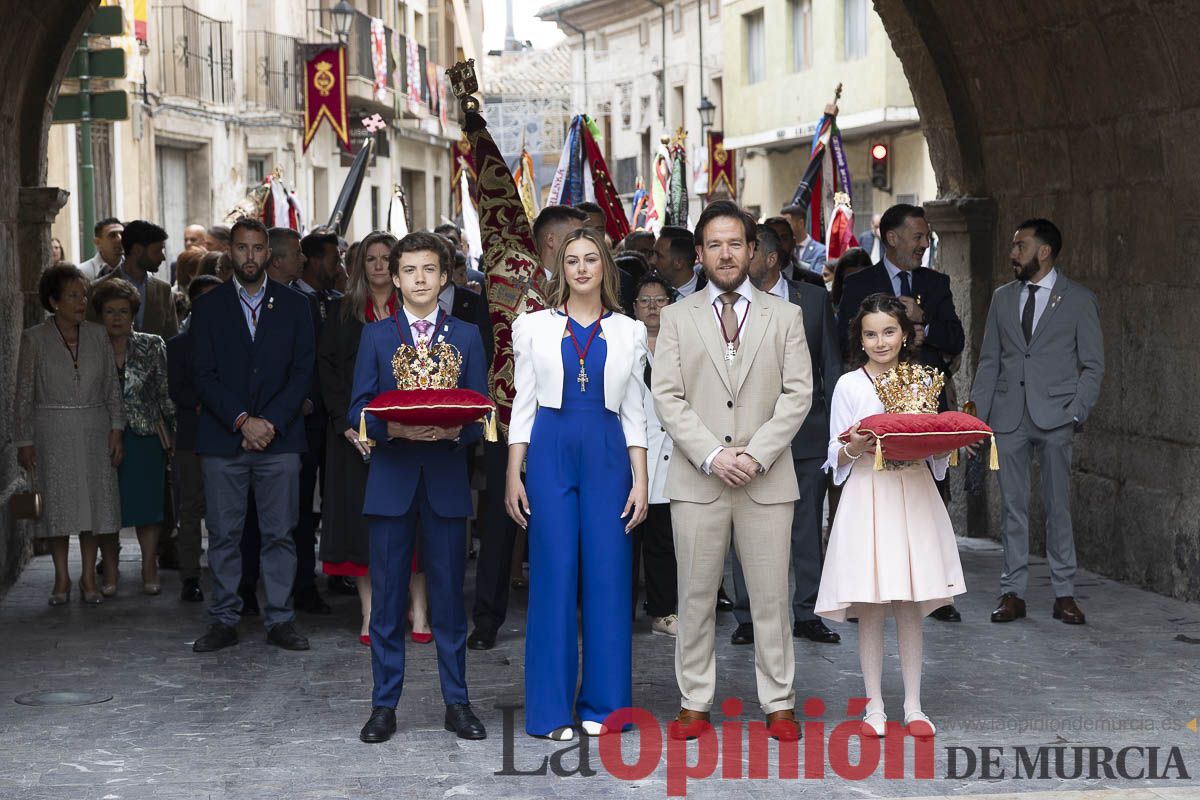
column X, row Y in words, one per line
column 732, row 383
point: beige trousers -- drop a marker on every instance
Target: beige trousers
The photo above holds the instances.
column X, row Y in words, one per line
column 762, row 537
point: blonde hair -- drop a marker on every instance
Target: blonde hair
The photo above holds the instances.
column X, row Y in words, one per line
column 610, row 279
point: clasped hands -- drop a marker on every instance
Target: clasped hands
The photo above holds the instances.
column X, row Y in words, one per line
column 422, row 433
column 257, row 434
column 734, row 466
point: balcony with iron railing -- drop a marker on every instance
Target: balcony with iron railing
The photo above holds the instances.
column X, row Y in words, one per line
column 274, row 72
column 194, row 55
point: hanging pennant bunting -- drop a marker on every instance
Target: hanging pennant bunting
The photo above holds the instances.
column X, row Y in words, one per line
column 379, row 58
column 325, row 95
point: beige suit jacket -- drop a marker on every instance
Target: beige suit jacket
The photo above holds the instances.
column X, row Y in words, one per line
column 759, row 404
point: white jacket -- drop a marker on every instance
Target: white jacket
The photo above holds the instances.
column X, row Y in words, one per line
column 538, row 371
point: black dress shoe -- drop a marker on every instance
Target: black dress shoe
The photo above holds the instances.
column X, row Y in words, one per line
column 481, row 640
column 462, row 721
column 311, row 602
column 218, row 637
column 380, row 726
column 814, row 630
column 284, row 635
column 191, row 591
column 946, row 614
column 342, row 584
column 743, row 634
column 249, row 604
column 723, row 601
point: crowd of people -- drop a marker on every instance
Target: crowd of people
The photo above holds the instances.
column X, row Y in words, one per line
column 679, row 404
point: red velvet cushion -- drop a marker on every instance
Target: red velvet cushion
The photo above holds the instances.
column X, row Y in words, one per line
column 912, row 437
column 445, row 408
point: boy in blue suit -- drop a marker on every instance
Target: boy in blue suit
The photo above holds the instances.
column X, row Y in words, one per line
column 417, row 485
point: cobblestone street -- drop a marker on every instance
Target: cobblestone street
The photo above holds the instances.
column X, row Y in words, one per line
column 258, row 722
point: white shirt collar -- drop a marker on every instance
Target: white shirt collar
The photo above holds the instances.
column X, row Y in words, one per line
column 262, row 287
column 304, row 287
column 891, row 268
column 780, row 289
column 689, row 288
column 432, row 318
column 744, row 289
column 1047, row 281
column 804, row 244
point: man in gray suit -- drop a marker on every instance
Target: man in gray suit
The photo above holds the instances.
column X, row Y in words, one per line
column 1039, row 375
column 809, row 446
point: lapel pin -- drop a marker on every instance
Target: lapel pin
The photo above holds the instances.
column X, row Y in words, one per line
column 270, row 302
column 1054, row 300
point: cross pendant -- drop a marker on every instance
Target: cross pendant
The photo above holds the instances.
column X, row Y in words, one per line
column 730, row 351
column 582, row 380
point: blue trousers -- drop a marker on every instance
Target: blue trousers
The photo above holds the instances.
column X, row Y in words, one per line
column 228, row 480
column 577, row 482
column 443, row 559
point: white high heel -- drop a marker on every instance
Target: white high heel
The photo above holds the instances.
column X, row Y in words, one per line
column 592, row 728
column 875, row 724
column 919, row 725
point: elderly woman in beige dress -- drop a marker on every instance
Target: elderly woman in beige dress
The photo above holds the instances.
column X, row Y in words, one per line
column 69, row 423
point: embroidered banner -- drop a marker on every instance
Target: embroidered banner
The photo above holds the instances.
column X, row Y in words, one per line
column 721, row 174
column 325, row 94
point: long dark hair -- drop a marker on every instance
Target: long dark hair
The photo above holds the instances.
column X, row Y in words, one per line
column 879, row 304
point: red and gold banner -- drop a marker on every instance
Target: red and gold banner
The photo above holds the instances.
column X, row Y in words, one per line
column 325, row 94
column 721, row 171
column 461, row 158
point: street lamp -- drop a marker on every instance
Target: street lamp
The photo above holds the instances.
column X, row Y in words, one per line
column 706, row 109
column 343, row 19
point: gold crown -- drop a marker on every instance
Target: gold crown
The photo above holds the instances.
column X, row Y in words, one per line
column 909, row 388
column 426, row 367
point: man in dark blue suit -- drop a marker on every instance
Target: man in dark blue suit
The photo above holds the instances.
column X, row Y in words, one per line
column 810, row 445
column 417, row 486
column 253, row 356
column 904, row 235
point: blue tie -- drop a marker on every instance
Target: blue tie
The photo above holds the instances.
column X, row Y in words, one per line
column 905, row 285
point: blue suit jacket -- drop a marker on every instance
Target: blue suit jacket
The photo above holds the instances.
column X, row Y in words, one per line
column 398, row 465
column 268, row 376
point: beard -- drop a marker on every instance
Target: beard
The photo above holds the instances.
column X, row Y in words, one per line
column 726, row 284
column 249, row 272
column 1025, row 271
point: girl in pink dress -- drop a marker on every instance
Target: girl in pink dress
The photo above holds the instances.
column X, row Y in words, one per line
column 891, row 547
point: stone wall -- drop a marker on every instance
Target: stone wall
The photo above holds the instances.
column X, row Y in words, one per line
column 34, row 46
column 1085, row 113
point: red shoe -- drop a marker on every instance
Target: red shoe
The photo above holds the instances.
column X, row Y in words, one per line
column 364, row 640
column 422, row 638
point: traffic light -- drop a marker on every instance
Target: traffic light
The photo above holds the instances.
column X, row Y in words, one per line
column 879, row 166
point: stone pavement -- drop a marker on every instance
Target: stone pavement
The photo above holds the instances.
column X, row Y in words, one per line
column 257, row 722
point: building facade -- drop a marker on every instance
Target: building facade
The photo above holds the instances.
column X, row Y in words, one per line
column 783, row 62
column 640, row 69
column 216, row 104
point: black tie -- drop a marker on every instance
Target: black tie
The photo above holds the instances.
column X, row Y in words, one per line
column 1027, row 313
column 905, row 286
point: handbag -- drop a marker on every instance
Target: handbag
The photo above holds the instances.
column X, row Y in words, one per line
column 27, row 504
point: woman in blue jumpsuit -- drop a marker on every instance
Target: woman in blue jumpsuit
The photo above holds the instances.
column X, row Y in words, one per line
column 579, row 427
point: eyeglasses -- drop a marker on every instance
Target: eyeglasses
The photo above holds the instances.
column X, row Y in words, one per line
column 657, row 300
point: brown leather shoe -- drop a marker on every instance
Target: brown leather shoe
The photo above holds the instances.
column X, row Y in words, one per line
column 1066, row 610
column 1011, row 607
column 782, row 725
column 687, row 725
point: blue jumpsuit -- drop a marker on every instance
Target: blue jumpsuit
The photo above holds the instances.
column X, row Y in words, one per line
column 578, row 479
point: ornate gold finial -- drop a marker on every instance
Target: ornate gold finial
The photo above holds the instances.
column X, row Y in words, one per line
column 910, row 388
column 426, row 367
column 464, row 83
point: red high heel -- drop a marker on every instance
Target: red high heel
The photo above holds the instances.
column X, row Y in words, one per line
column 422, row 638
column 364, row 640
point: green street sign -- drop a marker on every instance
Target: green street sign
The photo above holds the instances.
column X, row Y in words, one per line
column 107, row 21
column 106, row 107
column 101, row 63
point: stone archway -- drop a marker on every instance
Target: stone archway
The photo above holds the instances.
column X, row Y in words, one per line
column 1084, row 112
column 37, row 41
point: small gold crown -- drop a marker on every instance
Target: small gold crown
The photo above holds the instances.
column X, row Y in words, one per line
column 426, row 367
column 909, row 388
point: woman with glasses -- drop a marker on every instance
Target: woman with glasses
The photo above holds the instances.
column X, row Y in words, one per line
column 653, row 539
column 579, row 416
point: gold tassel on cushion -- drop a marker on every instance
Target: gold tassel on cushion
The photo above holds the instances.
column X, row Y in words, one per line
column 489, row 427
column 954, row 457
column 879, row 454
column 994, row 461
column 362, row 429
